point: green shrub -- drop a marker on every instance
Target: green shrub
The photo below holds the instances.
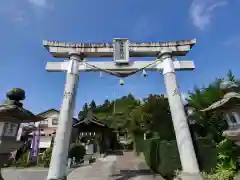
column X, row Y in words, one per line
column 76, row 150
column 138, row 142
column 206, row 154
column 152, row 154
column 226, row 167
column 46, row 157
column 163, row 157
column 23, row 161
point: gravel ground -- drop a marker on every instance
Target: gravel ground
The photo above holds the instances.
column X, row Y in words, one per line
column 26, row 173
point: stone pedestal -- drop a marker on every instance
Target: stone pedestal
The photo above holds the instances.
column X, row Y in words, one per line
column 11, row 116
column 8, row 143
column 191, row 176
column 4, row 160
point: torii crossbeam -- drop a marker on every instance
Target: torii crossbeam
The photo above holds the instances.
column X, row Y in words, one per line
column 78, row 55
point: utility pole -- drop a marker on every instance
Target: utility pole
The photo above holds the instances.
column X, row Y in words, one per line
column 114, row 103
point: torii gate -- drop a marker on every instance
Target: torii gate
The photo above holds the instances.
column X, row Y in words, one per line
column 121, row 50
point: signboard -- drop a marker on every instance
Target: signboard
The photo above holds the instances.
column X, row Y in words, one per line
column 121, row 50
column 11, row 129
column 1, row 128
column 20, row 131
column 89, row 149
column 35, row 145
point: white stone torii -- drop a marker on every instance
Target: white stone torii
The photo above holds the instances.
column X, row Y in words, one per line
column 77, row 54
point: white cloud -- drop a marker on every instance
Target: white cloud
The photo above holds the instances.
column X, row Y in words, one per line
column 39, row 3
column 201, row 11
column 21, row 12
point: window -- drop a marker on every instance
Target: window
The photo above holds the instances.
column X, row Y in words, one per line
column 236, row 116
column 55, row 121
column 232, row 119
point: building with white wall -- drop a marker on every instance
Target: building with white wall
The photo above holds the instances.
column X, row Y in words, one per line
column 48, row 127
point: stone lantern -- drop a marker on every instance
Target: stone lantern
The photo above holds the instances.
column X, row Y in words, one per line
column 229, row 105
column 12, row 114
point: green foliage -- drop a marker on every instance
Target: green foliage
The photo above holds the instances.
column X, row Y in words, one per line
column 105, row 112
column 84, row 111
column 93, row 105
column 163, row 157
column 152, row 154
column 167, row 157
column 76, row 150
column 227, row 159
column 138, row 144
column 157, row 117
column 45, row 158
column 207, row 124
column 153, row 115
column 226, row 166
column 23, row 161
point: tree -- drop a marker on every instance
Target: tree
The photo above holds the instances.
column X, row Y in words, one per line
column 156, row 116
column 85, row 107
column 93, row 105
column 83, row 112
column 230, row 76
column 123, row 108
column 209, row 123
column 106, row 103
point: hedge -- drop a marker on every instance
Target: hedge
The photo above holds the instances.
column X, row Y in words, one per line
column 163, row 157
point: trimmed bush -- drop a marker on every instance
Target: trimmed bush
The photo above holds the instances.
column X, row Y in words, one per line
column 76, row 150
column 152, row 155
column 163, row 157
column 138, row 142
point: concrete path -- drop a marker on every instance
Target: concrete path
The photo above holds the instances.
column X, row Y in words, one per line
column 125, row 166
column 101, row 170
column 26, row 173
column 130, row 167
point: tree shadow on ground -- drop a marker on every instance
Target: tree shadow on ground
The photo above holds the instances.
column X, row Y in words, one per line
column 116, row 153
column 128, row 174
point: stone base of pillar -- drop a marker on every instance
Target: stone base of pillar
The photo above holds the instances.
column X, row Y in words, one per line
column 191, row 176
column 63, row 178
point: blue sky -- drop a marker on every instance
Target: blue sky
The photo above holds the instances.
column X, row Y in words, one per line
column 25, row 23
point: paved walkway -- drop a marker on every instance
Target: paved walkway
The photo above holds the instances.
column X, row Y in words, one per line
column 124, row 166
column 26, row 173
column 101, row 170
column 130, row 167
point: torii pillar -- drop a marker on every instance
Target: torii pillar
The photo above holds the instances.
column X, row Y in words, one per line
column 190, row 168
column 57, row 170
column 58, row 164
